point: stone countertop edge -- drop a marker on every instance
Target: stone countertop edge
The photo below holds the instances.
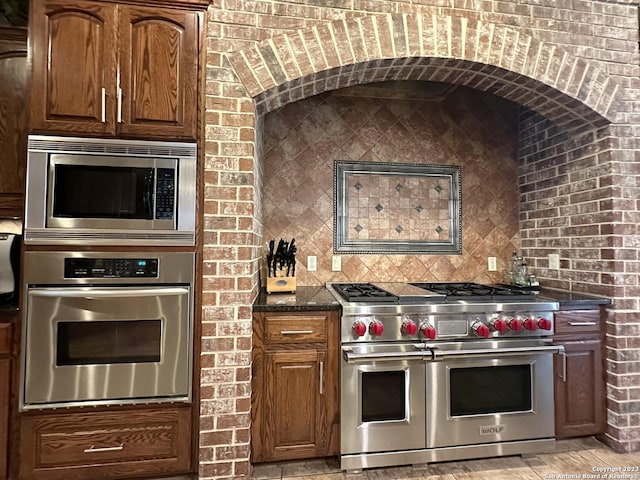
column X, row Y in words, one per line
column 319, row 298
column 304, row 299
column 572, row 300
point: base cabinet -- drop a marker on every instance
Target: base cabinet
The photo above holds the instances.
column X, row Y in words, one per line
column 114, row 444
column 295, row 386
column 580, row 386
column 5, row 395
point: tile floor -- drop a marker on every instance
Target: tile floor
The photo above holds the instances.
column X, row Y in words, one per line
column 575, row 459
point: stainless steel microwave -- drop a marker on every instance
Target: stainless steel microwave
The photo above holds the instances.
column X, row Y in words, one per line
column 109, row 192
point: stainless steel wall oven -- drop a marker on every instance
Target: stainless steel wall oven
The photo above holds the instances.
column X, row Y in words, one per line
column 106, row 328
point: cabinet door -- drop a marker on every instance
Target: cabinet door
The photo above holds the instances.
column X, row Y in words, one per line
column 149, row 442
column 74, row 59
column 294, row 413
column 158, row 72
column 13, row 119
column 6, row 339
column 580, row 394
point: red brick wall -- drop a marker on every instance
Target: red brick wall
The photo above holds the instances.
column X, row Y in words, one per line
column 575, row 63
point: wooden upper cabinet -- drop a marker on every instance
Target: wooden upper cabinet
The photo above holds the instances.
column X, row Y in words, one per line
column 108, row 69
column 159, row 71
column 13, row 119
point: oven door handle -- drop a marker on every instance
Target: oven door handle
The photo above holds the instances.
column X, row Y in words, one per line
column 115, row 292
column 502, row 352
column 351, row 357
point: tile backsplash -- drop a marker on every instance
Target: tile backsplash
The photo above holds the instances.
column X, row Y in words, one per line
column 474, row 131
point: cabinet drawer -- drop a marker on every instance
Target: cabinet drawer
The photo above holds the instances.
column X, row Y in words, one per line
column 577, row 322
column 5, row 338
column 144, row 441
column 295, row 329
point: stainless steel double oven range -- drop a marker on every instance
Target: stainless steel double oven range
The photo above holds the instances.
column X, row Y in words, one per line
column 443, row 371
column 109, row 319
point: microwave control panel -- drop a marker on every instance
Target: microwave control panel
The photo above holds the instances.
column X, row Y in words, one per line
column 165, row 196
column 110, row 267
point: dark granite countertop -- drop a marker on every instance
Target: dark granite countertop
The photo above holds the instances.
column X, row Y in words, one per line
column 8, row 310
column 572, row 300
column 305, row 299
column 319, row 298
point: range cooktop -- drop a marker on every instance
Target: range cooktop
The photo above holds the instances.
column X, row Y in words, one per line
column 435, row 292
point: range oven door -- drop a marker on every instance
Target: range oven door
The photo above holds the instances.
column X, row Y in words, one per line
column 479, row 394
column 382, row 398
column 101, row 344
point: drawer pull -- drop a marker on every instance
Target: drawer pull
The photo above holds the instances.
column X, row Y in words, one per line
column 582, row 324
column 93, row 449
column 295, row 332
column 321, row 378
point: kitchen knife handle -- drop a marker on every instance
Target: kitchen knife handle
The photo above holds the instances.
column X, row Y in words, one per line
column 321, row 378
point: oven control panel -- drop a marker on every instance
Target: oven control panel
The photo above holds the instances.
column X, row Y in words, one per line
column 110, row 267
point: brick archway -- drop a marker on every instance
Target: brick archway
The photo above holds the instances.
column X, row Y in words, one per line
column 485, row 56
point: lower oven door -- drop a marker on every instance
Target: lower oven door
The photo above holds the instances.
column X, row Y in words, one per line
column 97, row 345
column 382, row 399
column 487, row 395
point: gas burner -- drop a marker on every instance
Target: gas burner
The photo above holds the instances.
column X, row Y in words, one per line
column 364, row 292
column 470, row 291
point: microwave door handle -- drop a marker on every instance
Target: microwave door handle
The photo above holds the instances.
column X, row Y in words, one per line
column 150, row 193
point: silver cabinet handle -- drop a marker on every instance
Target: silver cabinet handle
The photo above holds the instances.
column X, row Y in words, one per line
column 93, row 449
column 582, row 324
column 119, row 95
column 104, row 105
column 295, row 332
column 321, row 378
column 119, row 105
column 563, row 354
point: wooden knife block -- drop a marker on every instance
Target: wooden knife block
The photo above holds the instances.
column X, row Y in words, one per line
column 281, row 284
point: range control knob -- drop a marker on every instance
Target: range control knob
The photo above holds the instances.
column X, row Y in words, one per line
column 376, row 328
column 499, row 325
column 515, row 325
column 530, row 324
column 544, row 324
column 359, row 328
column 428, row 331
column 481, row 329
column 409, row 327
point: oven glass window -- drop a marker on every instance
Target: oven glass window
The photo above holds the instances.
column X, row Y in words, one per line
column 489, row 390
column 103, row 192
column 104, row 342
column 383, row 396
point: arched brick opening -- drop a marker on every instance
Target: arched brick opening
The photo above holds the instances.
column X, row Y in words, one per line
column 488, row 57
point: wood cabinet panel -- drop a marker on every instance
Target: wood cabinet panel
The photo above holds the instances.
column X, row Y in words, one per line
column 6, row 339
column 159, row 71
column 13, row 119
column 74, row 66
column 92, row 445
column 283, row 329
column 114, row 69
column 579, row 381
column 295, row 426
column 5, row 396
column 295, row 386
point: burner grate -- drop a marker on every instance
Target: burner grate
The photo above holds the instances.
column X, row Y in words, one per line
column 364, row 292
